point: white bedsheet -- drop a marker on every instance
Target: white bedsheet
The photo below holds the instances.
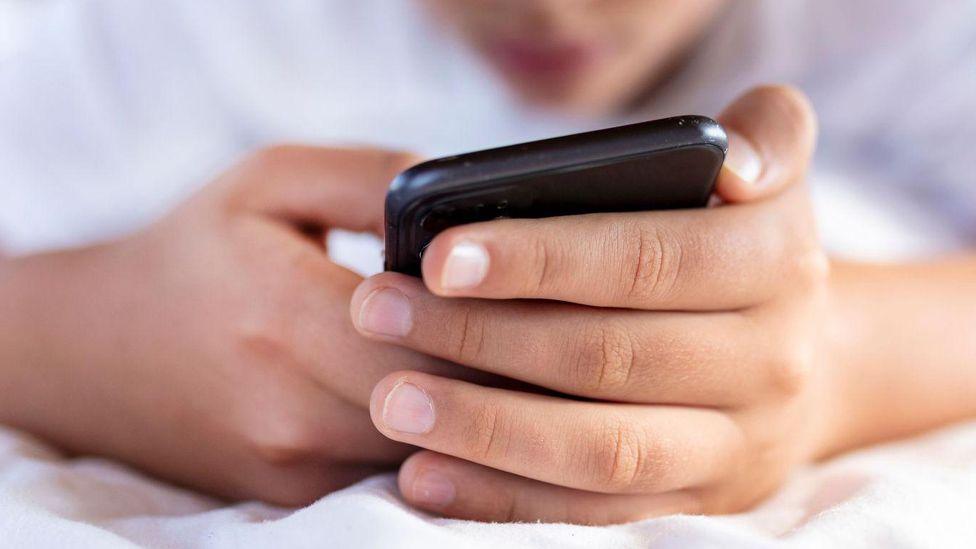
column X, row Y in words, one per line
column 916, row 493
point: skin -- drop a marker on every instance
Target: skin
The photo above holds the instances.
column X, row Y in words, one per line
column 605, row 368
column 214, row 349
column 584, row 56
column 696, row 357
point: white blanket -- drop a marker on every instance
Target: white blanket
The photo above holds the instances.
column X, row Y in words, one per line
column 917, row 493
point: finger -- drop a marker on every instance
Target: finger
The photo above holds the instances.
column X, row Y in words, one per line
column 711, row 359
column 600, row 447
column 294, row 485
column 460, row 489
column 725, row 258
column 311, row 433
column 301, row 321
column 772, row 132
column 324, row 334
column 342, row 188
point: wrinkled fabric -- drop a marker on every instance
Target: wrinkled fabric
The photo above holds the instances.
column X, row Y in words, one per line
column 916, row 493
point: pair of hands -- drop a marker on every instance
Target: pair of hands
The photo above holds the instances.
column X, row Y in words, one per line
column 592, row 369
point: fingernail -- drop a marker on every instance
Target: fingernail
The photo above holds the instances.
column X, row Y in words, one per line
column 408, row 409
column 433, row 489
column 386, row 312
column 743, row 159
column 465, row 267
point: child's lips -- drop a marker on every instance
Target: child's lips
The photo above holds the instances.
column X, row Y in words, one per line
column 535, row 59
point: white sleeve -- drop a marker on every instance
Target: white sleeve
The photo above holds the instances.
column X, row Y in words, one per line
column 107, row 118
column 898, row 100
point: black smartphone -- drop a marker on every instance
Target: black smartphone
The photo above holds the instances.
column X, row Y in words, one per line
column 659, row 165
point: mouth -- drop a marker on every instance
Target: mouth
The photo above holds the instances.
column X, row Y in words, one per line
column 541, row 60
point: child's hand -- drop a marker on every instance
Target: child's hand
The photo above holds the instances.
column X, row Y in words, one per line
column 684, row 348
column 215, row 348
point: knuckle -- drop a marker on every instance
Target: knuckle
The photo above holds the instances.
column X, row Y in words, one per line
column 511, row 507
column 605, row 363
column 264, row 338
column 790, row 372
column 812, row 269
column 507, row 507
column 279, row 439
column 490, row 434
column 652, row 262
column 543, row 257
column 471, row 333
column 619, row 457
column 277, row 432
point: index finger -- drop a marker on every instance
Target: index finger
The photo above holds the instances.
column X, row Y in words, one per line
column 319, row 186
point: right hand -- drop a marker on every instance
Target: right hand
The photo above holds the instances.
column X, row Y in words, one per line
column 215, row 349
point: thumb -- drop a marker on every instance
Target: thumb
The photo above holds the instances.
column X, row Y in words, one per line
column 323, row 187
column 772, row 133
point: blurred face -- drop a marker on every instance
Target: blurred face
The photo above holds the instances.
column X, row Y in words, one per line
column 580, row 55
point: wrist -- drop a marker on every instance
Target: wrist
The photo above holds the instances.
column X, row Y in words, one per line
column 849, row 352
column 898, row 350
column 52, row 332
column 837, row 334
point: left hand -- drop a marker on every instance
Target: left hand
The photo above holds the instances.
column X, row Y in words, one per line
column 680, row 349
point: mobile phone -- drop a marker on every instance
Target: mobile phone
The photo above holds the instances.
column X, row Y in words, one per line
column 659, row 165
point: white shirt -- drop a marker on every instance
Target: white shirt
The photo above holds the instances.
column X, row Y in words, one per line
column 118, row 109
